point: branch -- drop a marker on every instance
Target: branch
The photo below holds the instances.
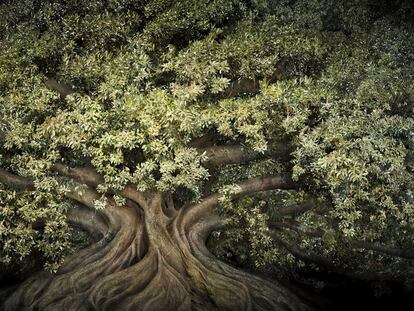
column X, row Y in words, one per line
column 62, row 88
column 131, row 192
column 327, row 264
column 86, row 175
column 281, row 181
column 257, row 184
column 292, row 225
column 207, row 139
column 15, row 181
column 297, row 209
column 241, row 86
column 90, row 220
column 251, row 86
column 385, row 249
column 223, row 155
column 355, row 244
column 237, row 154
column 89, row 176
column 198, row 211
column 86, row 197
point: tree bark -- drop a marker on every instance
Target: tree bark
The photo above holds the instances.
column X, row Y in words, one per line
column 150, row 258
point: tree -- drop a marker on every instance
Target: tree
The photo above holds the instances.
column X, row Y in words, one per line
column 282, row 131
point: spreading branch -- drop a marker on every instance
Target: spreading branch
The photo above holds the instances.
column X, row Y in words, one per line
column 85, row 174
column 88, row 219
column 15, row 181
column 296, row 209
column 237, row 154
column 90, row 177
column 292, row 225
column 200, row 211
column 208, row 139
column 84, row 196
column 406, row 253
column 281, row 181
column 250, row 186
column 328, row 265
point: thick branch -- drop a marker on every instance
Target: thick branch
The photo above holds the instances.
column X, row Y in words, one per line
column 15, row 181
column 292, row 225
column 282, row 181
column 90, row 220
column 236, row 154
column 203, row 210
column 327, row 264
column 255, row 185
column 207, row 139
column 130, row 192
column 62, row 88
column 241, row 86
column 84, row 196
column 355, row 244
column 85, row 175
column 90, row 177
column 297, row 208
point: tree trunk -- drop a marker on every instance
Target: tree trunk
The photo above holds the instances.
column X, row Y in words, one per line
column 151, row 258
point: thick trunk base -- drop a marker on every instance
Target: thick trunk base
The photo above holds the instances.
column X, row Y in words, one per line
column 149, row 261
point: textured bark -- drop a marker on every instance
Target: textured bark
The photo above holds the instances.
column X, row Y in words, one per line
column 150, row 257
column 14, row 181
column 236, row 154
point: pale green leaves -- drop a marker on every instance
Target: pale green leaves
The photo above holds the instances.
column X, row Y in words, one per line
column 185, row 170
column 101, row 203
column 21, row 216
column 249, row 216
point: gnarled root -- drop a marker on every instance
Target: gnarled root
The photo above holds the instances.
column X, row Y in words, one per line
column 152, row 261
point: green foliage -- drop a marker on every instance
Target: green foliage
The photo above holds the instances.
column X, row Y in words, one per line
column 250, row 219
column 149, row 76
column 33, row 222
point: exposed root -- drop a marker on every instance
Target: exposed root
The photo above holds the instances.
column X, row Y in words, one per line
column 229, row 288
column 157, row 262
column 73, row 282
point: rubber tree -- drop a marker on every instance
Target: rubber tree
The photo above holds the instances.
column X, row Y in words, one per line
column 153, row 124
